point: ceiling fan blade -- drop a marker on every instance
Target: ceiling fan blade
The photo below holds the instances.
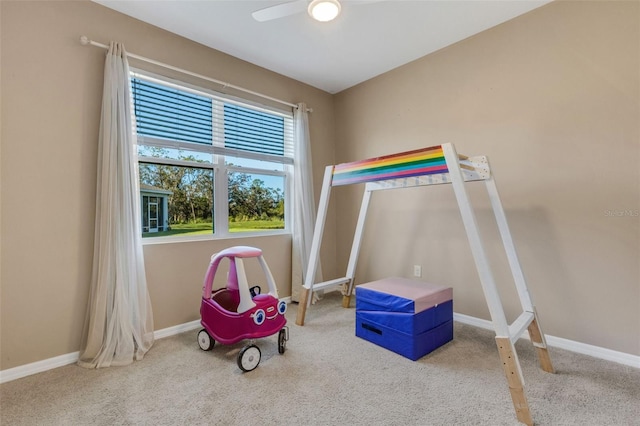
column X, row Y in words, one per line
column 280, row 10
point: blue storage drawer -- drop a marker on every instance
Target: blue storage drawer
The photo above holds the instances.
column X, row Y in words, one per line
column 412, row 346
column 411, row 323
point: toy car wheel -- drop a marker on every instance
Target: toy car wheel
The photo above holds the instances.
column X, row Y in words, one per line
column 249, row 358
column 205, row 341
column 282, row 341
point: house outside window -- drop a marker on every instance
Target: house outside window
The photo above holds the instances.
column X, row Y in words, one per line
column 209, row 164
column 154, row 209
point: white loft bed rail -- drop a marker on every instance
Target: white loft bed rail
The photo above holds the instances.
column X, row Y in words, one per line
column 436, row 165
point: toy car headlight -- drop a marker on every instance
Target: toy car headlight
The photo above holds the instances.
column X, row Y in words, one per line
column 259, row 316
column 282, row 307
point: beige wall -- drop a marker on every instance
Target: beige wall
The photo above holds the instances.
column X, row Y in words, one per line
column 51, row 94
column 552, row 98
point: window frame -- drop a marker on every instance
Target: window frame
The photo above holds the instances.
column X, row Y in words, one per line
column 218, row 152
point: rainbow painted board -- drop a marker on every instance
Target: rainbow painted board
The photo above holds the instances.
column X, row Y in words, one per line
column 425, row 161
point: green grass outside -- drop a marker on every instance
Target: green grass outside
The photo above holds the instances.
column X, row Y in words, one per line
column 255, row 225
column 183, row 229
column 207, row 228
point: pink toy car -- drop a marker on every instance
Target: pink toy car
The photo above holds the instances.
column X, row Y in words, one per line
column 238, row 312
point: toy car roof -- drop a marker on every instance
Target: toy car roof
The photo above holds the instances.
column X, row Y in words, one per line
column 240, row 251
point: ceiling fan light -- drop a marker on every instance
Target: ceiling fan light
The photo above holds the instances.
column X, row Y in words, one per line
column 324, row 10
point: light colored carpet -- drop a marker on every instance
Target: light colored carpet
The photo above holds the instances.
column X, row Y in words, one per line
column 326, row 377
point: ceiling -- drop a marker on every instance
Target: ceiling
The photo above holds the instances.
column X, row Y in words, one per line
column 366, row 40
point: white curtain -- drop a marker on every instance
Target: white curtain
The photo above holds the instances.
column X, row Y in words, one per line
column 119, row 323
column 304, row 202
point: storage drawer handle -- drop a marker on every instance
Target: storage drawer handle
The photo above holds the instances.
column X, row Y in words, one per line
column 371, row 328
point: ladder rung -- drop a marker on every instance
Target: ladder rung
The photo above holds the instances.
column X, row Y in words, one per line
column 331, row 283
column 520, row 325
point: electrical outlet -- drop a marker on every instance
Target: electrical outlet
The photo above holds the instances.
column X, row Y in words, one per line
column 417, row 270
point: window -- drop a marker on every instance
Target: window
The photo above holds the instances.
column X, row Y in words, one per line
column 209, row 164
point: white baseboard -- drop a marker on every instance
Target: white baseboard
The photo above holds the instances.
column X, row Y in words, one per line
column 38, row 367
column 62, row 360
column 558, row 342
column 176, row 329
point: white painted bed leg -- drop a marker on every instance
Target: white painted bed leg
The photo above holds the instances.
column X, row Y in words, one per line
column 509, row 247
column 535, row 331
column 477, row 248
column 506, row 348
column 355, row 247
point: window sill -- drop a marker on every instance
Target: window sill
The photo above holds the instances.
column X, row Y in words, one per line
column 228, row 236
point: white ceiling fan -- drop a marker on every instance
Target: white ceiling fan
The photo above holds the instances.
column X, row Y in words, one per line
column 320, row 10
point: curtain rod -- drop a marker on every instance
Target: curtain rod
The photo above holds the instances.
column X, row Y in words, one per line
column 84, row 40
